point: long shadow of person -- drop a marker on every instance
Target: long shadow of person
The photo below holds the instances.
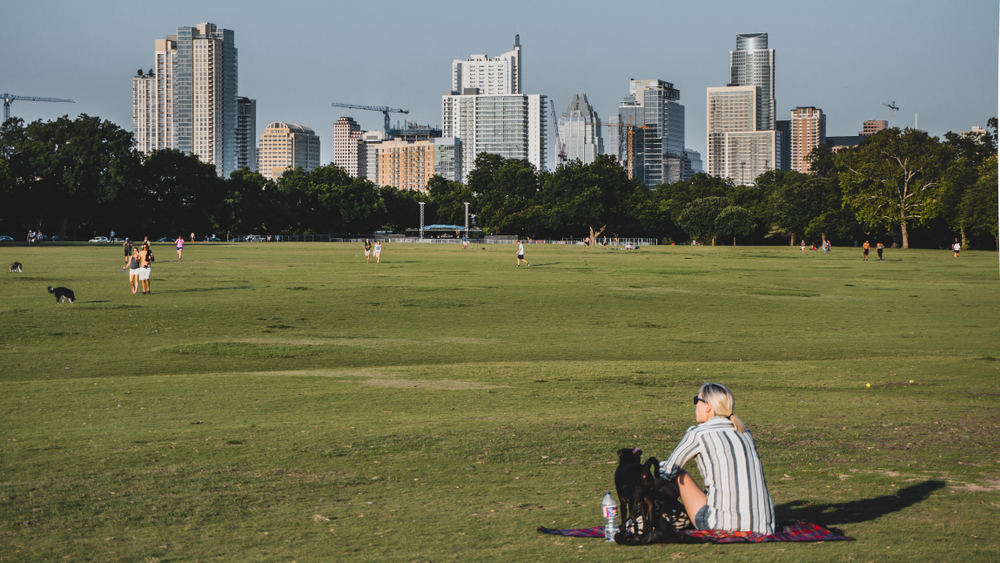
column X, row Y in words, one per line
column 852, row 512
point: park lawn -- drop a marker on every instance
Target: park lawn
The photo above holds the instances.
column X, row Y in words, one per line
column 254, row 405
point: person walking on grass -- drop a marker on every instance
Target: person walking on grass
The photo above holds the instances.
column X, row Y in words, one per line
column 180, row 247
column 368, row 251
column 134, row 264
column 956, row 247
column 520, row 254
column 864, row 251
column 378, row 252
column 879, row 248
column 145, row 267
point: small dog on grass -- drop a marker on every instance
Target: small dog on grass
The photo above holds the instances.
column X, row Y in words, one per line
column 15, row 267
column 636, row 489
column 62, row 293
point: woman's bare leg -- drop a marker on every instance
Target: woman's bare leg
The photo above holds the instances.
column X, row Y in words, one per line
column 685, row 487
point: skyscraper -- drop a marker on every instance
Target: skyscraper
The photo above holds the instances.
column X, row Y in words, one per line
column 480, row 74
column 653, row 108
column 510, row 126
column 246, row 134
column 287, row 146
column 752, row 64
column 189, row 102
column 580, row 131
column 808, row 132
column 486, row 110
column 346, row 141
column 736, row 148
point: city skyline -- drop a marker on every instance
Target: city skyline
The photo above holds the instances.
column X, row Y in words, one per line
column 887, row 56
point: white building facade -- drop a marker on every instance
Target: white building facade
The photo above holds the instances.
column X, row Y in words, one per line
column 190, row 101
column 579, row 132
column 737, row 150
column 512, row 126
column 480, row 74
column 346, row 144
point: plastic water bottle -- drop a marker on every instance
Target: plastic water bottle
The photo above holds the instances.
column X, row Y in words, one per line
column 610, row 512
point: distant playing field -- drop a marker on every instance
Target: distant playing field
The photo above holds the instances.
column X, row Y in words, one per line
column 289, row 402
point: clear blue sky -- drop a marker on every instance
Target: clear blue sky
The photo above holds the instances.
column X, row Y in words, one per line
column 936, row 59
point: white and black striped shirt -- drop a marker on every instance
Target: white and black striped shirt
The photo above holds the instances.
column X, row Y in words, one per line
column 734, row 477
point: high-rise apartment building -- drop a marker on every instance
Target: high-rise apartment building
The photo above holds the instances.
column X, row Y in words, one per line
column 613, row 145
column 752, row 64
column 784, row 129
column 511, row 126
column 189, row 103
column 654, row 111
column 480, row 74
column 346, row 142
column 872, row 126
column 736, row 148
column 580, row 131
column 153, row 100
column 286, row 146
column 408, row 165
column 246, row 134
column 808, row 126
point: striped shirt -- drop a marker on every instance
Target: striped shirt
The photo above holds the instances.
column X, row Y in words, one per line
column 734, row 477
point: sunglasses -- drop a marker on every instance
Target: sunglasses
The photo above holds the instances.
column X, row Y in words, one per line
column 697, row 398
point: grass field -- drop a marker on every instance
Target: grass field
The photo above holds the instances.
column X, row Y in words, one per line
column 288, row 402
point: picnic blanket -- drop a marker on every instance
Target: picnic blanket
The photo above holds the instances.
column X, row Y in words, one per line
column 803, row 531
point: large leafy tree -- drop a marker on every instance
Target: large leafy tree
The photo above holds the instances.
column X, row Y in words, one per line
column 506, row 191
column 70, row 174
column 699, row 217
column 181, row 195
column 734, row 221
column 449, row 200
column 893, row 179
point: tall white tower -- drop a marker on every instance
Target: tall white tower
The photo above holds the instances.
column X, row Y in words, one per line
column 752, row 64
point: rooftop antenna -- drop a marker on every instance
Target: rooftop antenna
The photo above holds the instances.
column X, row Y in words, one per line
column 892, row 106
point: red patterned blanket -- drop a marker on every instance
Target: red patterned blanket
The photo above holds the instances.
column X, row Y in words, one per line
column 803, row 531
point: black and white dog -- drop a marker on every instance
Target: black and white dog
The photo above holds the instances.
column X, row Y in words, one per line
column 15, row 267
column 62, row 293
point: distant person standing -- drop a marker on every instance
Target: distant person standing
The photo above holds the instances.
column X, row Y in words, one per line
column 956, row 247
column 803, row 245
column 368, row 251
column 465, row 242
column 127, row 245
column 145, row 267
column 520, row 254
column 378, row 251
column 180, row 247
column 864, row 249
column 192, row 236
column 879, row 248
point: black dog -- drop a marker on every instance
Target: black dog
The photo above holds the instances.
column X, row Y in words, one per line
column 15, row 267
column 62, row 293
column 636, row 489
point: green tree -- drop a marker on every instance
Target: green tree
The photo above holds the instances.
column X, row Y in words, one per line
column 734, row 221
column 449, row 200
column 699, row 217
column 180, row 194
column 892, row 179
column 506, row 190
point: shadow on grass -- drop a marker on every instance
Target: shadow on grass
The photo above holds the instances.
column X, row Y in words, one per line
column 855, row 511
column 546, row 264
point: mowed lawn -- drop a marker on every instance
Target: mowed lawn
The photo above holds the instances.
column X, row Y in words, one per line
column 289, row 402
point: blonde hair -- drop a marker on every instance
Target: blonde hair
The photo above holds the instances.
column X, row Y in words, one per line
column 722, row 401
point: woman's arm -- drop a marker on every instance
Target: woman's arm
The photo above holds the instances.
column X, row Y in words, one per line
column 687, row 449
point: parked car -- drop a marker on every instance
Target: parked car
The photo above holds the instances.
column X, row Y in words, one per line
column 5, row 238
column 237, row 239
column 162, row 239
column 116, row 239
column 99, row 239
column 57, row 237
column 213, row 238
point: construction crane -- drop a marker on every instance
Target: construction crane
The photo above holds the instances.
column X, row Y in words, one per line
column 631, row 130
column 560, row 145
column 893, row 107
column 385, row 111
column 9, row 98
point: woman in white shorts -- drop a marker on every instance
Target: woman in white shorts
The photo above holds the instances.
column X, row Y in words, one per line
column 134, row 265
column 378, row 251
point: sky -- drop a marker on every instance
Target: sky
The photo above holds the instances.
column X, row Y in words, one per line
column 938, row 61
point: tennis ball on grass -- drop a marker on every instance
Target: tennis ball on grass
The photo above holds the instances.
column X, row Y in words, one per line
column 911, row 381
column 868, row 384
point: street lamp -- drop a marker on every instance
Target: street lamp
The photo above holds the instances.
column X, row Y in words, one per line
column 421, row 220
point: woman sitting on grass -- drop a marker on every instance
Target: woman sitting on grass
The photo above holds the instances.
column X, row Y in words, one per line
column 735, row 498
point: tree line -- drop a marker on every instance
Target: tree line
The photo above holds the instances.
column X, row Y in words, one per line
column 77, row 177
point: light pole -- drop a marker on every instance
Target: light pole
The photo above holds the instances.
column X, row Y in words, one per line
column 421, row 220
column 466, row 219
